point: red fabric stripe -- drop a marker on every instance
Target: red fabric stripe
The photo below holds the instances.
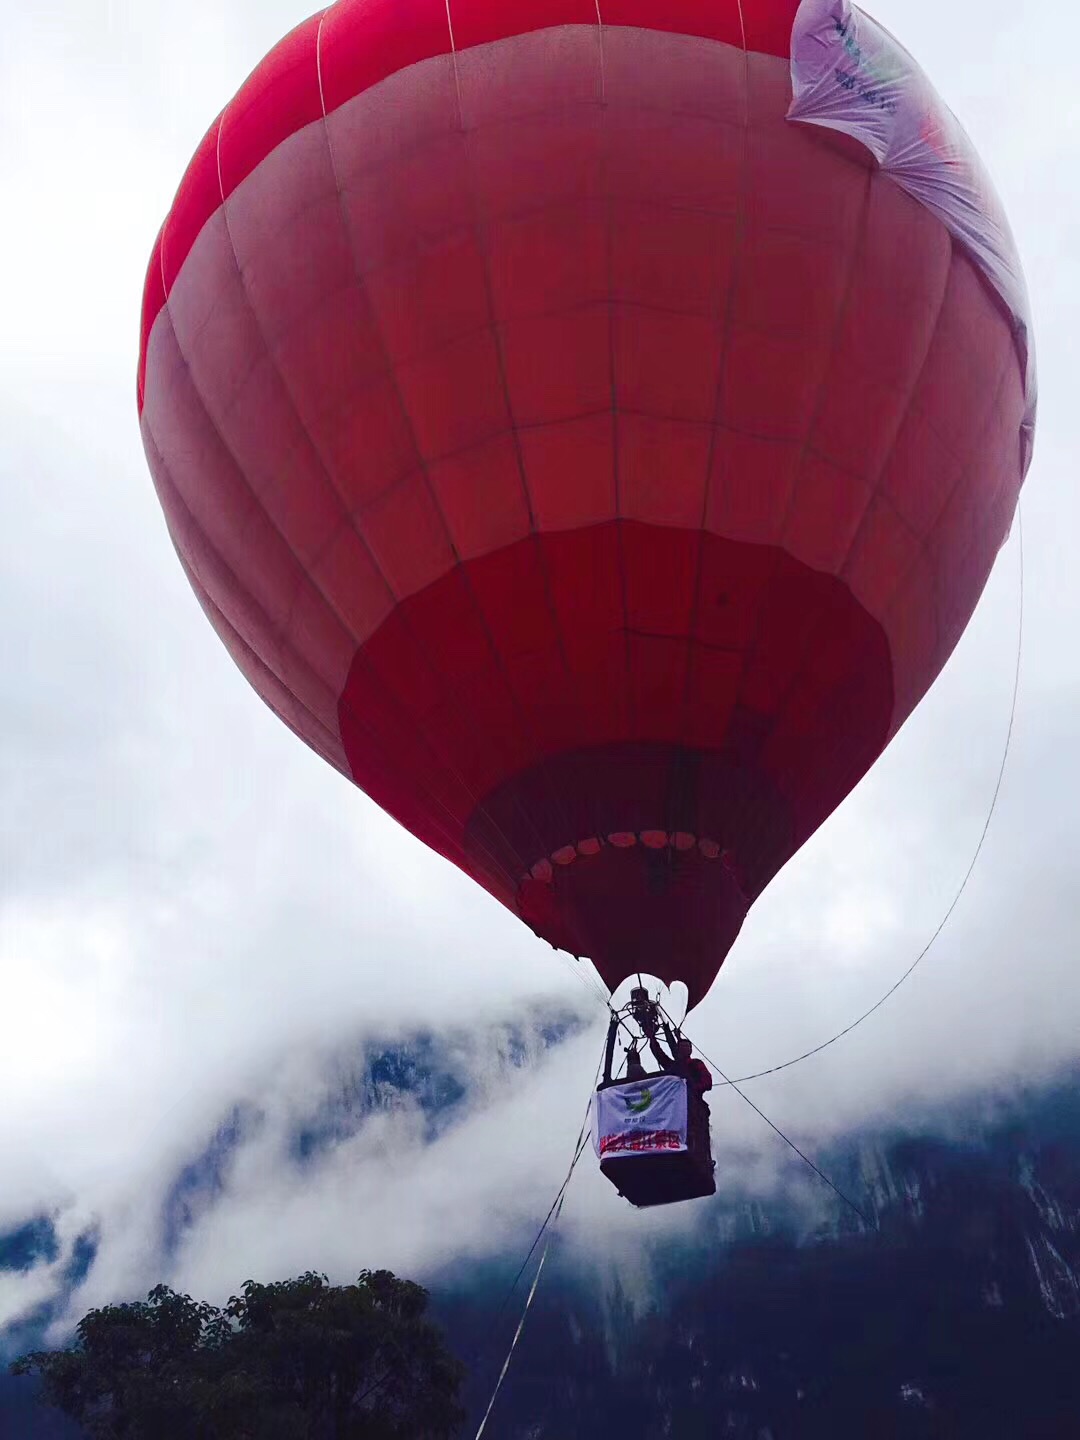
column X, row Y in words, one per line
column 477, row 22
column 718, row 20
column 196, row 200
column 153, row 300
column 278, row 98
column 363, row 42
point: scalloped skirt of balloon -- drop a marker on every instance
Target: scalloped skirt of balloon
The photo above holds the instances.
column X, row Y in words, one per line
column 629, row 780
column 664, row 912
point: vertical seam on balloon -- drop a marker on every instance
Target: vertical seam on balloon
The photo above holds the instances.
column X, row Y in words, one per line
column 278, row 634
column 190, row 566
column 519, row 458
column 603, row 58
column 964, row 475
column 790, row 691
column 448, row 690
column 454, row 65
column 221, row 622
column 283, row 644
column 161, row 268
column 205, row 595
column 1007, row 481
column 806, row 446
column 302, row 573
column 628, row 707
column 905, row 416
column 791, row 688
column 875, row 483
column 303, row 576
column 742, row 34
column 750, row 651
column 692, row 648
column 829, row 351
column 750, row 655
column 318, row 67
column 528, row 732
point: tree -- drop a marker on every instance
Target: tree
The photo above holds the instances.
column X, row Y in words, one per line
column 296, row 1360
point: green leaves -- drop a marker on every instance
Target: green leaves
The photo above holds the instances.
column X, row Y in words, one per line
column 292, row 1360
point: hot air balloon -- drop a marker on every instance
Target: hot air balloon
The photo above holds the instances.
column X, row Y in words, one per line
column 590, row 425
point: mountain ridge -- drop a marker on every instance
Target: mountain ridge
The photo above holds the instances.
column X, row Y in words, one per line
column 956, row 1314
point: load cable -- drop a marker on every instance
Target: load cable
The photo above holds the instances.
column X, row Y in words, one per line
column 817, row 1049
column 547, row 1227
column 734, row 1084
column 871, row 1223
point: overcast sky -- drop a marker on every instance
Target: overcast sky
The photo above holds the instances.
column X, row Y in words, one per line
column 195, row 911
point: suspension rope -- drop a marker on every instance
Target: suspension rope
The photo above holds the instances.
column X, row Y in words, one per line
column 871, row 1223
column 551, row 1219
column 520, row 1326
column 590, row 982
column 817, row 1049
column 734, row 1084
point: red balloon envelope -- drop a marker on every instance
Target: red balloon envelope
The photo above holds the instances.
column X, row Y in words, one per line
column 590, row 426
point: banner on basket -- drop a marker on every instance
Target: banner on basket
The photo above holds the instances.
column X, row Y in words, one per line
column 641, row 1117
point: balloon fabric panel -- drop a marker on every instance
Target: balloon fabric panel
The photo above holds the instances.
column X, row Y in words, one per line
column 590, row 463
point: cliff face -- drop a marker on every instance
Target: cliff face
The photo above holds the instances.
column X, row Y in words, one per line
column 958, row 1317
column 773, row 1316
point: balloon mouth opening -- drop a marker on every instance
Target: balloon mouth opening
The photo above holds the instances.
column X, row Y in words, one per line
column 673, row 995
column 668, row 913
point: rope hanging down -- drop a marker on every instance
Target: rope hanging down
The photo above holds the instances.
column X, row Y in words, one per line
column 549, row 1222
column 734, row 1084
column 817, row 1049
column 551, row 1219
column 866, row 1219
column 521, row 1322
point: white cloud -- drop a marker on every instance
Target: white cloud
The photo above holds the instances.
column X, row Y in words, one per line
column 189, row 901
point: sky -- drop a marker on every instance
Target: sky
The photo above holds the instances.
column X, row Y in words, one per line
column 196, row 913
